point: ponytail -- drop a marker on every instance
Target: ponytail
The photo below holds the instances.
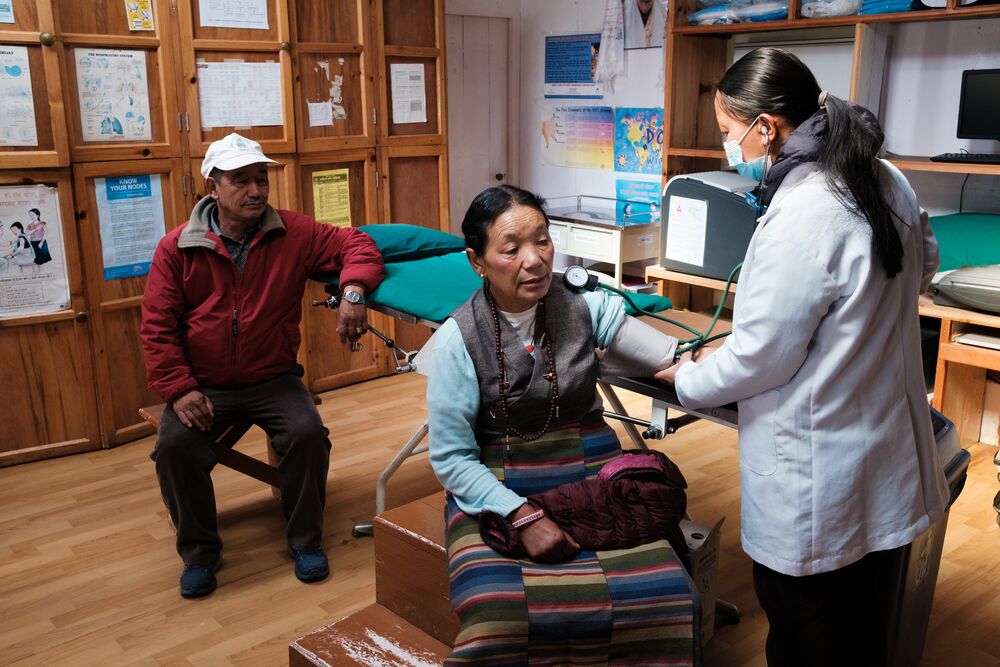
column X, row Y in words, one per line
column 775, row 81
column 850, row 161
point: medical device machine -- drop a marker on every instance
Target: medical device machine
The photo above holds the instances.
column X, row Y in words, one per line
column 976, row 287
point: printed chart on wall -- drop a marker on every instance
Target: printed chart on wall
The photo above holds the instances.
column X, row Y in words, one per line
column 570, row 63
column 409, row 99
column 6, row 11
column 638, row 202
column 332, row 197
column 114, row 95
column 33, row 278
column 250, row 14
column 639, row 140
column 239, row 94
column 131, row 213
column 18, row 124
column 139, row 14
column 578, row 137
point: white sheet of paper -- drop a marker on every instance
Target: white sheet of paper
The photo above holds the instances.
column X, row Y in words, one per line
column 409, row 102
column 687, row 221
column 6, row 11
column 237, row 94
column 233, row 14
column 17, row 125
column 320, row 113
column 114, row 95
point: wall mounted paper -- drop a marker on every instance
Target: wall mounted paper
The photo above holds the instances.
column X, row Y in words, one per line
column 131, row 212
column 320, row 114
column 6, row 11
column 233, row 14
column 639, row 140
column 409, row 101
column 139, row 14
column 570, row 64
column 578, row 137
column 638, row 201
column 332, row 197
column 687, row 220
column 33, row 277
column 114, row 95
column 238, row 94
column 17, row 124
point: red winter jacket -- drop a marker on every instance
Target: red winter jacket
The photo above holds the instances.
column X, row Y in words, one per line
column 206, row 324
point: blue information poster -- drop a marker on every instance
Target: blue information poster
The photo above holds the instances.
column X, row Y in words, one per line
column 639, row 140
column 638, row 201
column 131, row 213
column 570, row 61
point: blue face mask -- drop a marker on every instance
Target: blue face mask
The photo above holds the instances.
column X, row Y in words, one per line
column 755, row 168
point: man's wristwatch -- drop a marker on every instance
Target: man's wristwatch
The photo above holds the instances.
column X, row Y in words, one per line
column 350, row 296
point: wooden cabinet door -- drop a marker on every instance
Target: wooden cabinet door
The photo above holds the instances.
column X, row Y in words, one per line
column 202, row 46
column 119, row 86
column 50, row 405
column 327, row 361
column 411, row 33
column 115, row 300
column 334, row 65
column 29, row 53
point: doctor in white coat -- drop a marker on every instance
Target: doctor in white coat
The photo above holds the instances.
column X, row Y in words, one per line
column 838, row 464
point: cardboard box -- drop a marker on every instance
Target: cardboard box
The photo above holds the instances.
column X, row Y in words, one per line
column 703, row 552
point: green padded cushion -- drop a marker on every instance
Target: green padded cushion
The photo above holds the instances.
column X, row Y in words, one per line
column 399, row 243
column 967, row 239
column 433, row 287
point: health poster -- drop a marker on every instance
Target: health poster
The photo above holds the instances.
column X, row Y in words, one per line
column 114, row 95
column 131, row 213
column 332, row 197
column 139, row 14
column 17, row 126
column 570, row 63
column 6, row 11
column 639, row 140
column 33, row 277
column 638, row 201
column 578, row 137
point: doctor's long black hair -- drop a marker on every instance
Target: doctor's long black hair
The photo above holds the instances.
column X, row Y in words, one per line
column 775, row 81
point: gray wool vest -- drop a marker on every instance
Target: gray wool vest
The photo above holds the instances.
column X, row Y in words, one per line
column 568, row 322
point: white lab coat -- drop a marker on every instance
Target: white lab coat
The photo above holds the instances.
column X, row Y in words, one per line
column 837, row 456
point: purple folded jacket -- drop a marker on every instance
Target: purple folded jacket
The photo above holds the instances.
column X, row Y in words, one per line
column 635, row 499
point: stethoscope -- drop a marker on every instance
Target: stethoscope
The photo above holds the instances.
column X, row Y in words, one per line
column 579, row 279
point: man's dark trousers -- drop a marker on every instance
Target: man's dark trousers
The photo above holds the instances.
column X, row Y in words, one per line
column 184, row 460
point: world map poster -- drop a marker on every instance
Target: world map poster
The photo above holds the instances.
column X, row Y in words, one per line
column 639, row 140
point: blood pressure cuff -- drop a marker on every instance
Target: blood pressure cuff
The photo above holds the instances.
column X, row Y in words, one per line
column 635, row 499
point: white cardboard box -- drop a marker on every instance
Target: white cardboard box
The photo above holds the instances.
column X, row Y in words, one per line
column 703, row 553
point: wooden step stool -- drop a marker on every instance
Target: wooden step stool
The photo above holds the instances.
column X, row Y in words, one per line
column 372, row 636
column 226, row 453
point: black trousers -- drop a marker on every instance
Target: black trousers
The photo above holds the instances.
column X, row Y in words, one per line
column 831, row 619
column 184, row 460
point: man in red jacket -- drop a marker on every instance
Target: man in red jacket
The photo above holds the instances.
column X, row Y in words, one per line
column 220, row 333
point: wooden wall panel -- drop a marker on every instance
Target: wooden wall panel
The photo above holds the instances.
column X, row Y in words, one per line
column 416, row 190
column 410, row 22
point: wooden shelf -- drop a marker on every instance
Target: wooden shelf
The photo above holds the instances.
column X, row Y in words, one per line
column 930, row 309
column 970, row 355
column 697, row 152
column 970, row 12
column 660, row 273
column 918, row 163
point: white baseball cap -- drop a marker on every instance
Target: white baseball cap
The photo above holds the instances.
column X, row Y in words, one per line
column 232, row 152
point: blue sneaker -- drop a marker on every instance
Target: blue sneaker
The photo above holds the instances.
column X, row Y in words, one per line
column 199, row 580
column 310, row 565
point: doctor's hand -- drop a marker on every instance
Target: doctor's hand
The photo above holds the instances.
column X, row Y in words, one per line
column 544, row 540
column 195, row 410
column 669, row 374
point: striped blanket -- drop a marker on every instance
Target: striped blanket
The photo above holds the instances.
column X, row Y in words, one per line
column 623, row 607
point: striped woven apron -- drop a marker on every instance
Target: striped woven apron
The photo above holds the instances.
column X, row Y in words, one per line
column 621, row 607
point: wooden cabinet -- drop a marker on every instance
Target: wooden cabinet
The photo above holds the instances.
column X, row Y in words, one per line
column 333, row 61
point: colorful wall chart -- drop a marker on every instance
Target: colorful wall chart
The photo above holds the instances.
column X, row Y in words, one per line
column 639, row 140
column 638, row 201
column 578, row 137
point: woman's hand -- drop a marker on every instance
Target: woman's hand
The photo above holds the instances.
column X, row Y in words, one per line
column 543, row 539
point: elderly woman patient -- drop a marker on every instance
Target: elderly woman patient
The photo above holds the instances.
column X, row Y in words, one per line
column 514, row 411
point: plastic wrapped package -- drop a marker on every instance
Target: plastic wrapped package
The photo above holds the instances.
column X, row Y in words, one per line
column 740, row 11
column 818, row 8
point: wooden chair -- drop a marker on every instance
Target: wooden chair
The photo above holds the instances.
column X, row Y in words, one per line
column 226, row 453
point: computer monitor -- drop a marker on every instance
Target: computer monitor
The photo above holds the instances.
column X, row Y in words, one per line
column 979, row 108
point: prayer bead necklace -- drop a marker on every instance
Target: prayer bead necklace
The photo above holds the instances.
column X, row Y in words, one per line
column 548, row 358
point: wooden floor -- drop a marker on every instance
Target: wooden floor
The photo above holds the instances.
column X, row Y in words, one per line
column 88, row 571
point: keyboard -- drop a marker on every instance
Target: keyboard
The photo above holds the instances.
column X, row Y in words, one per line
column 973, row 158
